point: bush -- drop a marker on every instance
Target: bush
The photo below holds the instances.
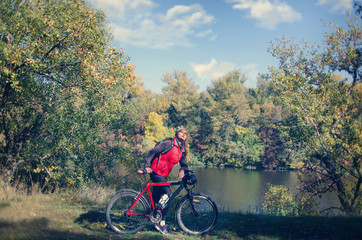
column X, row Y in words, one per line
column 279, row 201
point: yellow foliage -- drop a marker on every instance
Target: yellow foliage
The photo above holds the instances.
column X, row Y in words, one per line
column 131, row 68
column 239, row 130
column 154, row 129
column 300, row 165
column 38, row 169
column 2, row 139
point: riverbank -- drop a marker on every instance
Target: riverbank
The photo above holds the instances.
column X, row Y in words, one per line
column 250, row 167
column 63, row 216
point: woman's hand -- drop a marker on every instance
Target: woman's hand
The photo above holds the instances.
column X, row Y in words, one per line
column 181, row 173
column 149, row 170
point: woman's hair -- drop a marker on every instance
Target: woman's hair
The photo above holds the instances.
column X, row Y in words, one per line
column 184, row 143
column 186, row 147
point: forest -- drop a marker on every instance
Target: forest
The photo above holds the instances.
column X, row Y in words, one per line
column 73, row 111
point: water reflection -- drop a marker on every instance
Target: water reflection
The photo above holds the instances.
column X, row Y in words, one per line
column 235, row 189
column 240, row 190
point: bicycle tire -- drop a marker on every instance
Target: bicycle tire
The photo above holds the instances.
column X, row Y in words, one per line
column 200, row 224
column 117, row 208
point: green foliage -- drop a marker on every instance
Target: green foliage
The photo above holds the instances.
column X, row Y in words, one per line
column 73, row 111
column 63, row 94
column 181, row 95
column 343, row 52
column 247, row 147
column 327, row 112
column 279, row 201
column 224, row 107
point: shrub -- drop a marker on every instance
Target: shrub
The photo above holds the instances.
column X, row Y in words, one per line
column 279, row 201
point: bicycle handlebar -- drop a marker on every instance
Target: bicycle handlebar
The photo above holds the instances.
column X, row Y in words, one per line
column 144, row 172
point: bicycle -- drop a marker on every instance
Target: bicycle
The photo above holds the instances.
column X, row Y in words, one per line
column 129, row 210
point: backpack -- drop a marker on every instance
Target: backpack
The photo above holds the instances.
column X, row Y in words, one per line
column 167, row 149
column 164, row 151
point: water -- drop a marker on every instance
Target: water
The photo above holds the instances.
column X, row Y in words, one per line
column 238, row 190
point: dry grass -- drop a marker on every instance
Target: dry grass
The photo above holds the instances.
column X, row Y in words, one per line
column 8, row 192
column 38, row 215
column 67, row 215
column 80, row 215
column 93, row 194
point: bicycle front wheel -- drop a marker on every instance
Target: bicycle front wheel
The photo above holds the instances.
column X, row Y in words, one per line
column 122, row 222
column 196, row 216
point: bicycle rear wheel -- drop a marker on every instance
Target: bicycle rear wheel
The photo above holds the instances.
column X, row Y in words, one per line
column 200, row 221
column 116, row 213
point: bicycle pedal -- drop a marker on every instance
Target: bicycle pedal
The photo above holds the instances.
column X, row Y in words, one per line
column 156, row 216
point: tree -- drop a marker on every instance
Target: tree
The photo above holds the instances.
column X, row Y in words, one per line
column 328, row 112
column 62, row 86
column 268, row 115
column 181, row 94
column 358, row 7
column 155, row 131
column 278, row 200
column 247, row 147
column 344, row 49
column 223, row 107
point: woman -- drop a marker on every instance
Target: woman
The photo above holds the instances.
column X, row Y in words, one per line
column 159, row 166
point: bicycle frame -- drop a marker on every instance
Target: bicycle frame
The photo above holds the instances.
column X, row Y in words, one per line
column 147, row 187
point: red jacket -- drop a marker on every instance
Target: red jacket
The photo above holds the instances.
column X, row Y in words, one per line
column 163, row 165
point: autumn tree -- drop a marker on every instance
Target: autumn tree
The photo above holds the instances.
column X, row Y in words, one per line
column 224, row 107
column 267, row 118
column 155, row 130
column 181, row 94
column 344, row 49
column 62, row 89
column 327, row 110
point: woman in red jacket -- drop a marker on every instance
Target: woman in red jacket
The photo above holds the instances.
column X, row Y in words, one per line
column 160, row 165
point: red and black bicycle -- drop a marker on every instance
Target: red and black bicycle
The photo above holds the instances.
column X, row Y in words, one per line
column 129, row 210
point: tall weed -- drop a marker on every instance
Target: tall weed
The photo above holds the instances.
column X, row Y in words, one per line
column 93, row 195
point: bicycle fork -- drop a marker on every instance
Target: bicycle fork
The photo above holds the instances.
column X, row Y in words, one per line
column 191, row 199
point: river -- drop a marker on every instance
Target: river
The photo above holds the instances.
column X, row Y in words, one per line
column 239, row 190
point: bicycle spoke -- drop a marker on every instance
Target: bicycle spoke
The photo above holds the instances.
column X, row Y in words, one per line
column 200, row 217
column 122, row 222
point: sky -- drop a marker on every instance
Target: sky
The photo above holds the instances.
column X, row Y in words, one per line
column 209, row 38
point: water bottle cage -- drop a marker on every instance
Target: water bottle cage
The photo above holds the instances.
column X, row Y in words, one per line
column 163, row 202
column 160, row 206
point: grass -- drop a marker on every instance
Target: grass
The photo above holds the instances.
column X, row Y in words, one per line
column 81, row 216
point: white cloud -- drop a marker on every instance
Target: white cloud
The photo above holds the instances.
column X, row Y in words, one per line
column 125, row 9
column 123, row 6
column 212, row 70
column 205, row 33
column 135, row 23
column 215, row 70
column 251, row 72
column 337, row 4
column 268, row 13
column 177, row 11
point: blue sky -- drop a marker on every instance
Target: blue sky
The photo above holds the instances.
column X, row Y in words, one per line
column 209, row 38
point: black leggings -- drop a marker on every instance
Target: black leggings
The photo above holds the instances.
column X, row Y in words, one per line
column 157, row 192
